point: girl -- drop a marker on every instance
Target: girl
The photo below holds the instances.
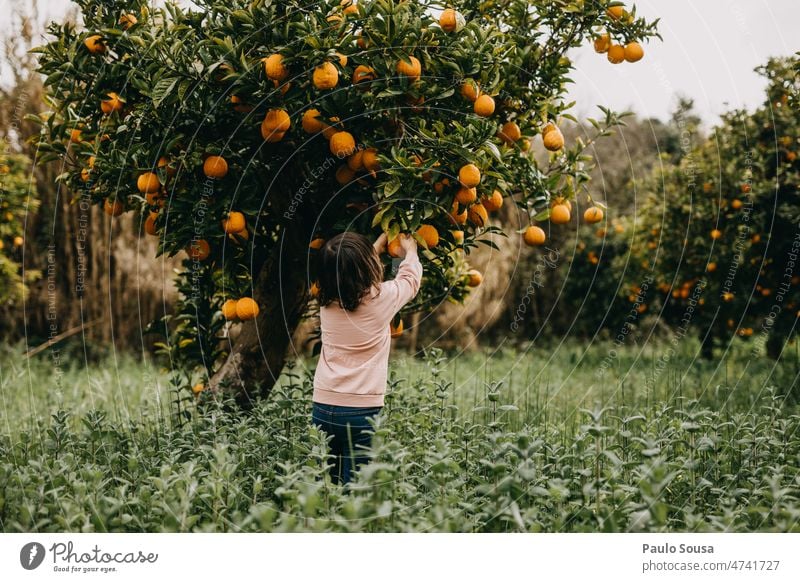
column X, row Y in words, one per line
column 356, row 308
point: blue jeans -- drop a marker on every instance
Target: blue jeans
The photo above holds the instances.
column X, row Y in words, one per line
column 352, row 434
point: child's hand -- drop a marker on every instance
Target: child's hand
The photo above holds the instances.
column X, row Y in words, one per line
column 380, row 244
column 408, row 244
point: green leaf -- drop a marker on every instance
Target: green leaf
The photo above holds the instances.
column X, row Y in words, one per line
column 162, row 89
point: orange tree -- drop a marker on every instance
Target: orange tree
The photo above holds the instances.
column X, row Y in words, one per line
column 17, row 198
column 720, row 232
column 246, row 132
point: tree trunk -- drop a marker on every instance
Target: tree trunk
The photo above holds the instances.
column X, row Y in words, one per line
column 775, row 343
column 259, row 352
column 707, row 345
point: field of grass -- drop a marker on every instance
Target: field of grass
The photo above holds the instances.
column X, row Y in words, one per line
column 557, row 438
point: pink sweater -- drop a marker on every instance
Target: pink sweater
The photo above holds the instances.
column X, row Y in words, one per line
column 353, row 364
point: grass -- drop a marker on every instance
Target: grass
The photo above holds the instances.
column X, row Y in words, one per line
column 559, row 438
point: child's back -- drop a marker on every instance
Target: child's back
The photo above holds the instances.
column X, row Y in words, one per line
column 355, row 344
column 356, row 308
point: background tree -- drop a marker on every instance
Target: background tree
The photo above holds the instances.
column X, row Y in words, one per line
column 245, row 132
column 65, row 242
column 720, row 227
column 17, row 197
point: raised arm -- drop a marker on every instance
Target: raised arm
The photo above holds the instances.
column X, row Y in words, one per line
column 409, row 274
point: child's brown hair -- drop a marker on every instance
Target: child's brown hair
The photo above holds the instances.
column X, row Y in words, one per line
column 348, row 267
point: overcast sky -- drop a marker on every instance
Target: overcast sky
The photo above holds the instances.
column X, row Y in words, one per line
column 709, row 51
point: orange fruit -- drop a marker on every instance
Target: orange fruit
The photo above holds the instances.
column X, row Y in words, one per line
column 534, row 236
column 282, row 87
column 616, row 12
column 484, row 106
column 559, row 214
column 274, row 137
column 562, row 200
column 727, row 296
column 276, row 121
column 164, row 163
column 326, row 76
column 716, row 234
column 474, row 278
column 234, row 223
column 342, row 59
column 113, row 208
column 466, row 195
column 736, row 204
column 746, row 188
column 86, row 173
column 342, row 144
column 470, row 90
column 113, row 103
column 438, row 186
column 510, row 132
column 314, row 289
column 246, row 309
column 198, row 250
column 229, row 310
column 311, row 121
column 344, row 175
column 448, row 20
column 410, row 68
column 148, row 182
column 197, row 389
column 153, row 198
column 150, row 223
column 458, row 217
column 429, row 234
column 316, row 244
column 215, row 167
column 396, row 330
column 369, row 158
column 75, row 136
column 616, row 54
column 469, row 175
column 238, row 237
column 478, row 215
column 127, row 20
column 458, row 236
column 274, row 67
column 356, row 162
column 393, row 248
column 593, row 215
column 239, row 105
column 363, row 74
column 494, row 202
column 602, row 43
column 552, row 138
column 95, row 44
column 349, row 7
column 633, row 52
